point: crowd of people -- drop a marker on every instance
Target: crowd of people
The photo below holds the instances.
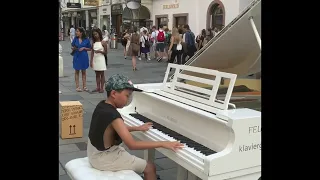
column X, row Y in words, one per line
column 161, row 44
column 176, row 45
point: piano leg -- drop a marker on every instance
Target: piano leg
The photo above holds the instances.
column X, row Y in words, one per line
column 149, row 155
column 191, row 176
column 182, row 173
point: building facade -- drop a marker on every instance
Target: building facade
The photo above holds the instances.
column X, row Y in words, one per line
column 123, row 17
column 199, row 14
column 104, row 15
column 79, row 13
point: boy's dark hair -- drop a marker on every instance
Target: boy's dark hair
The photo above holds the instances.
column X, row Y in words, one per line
column 166, row 29
column 161, row 26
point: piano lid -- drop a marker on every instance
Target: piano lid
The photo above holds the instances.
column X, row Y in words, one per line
column 236, row 48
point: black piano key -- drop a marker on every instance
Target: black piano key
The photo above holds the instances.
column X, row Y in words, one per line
column 190, row 143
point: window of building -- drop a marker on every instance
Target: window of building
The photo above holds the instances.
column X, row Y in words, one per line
column 163, row 21
column 216, row 16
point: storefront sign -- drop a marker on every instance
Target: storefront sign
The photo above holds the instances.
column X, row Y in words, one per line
column 91, row 2
column 118, row 1
column 171, row 6
column 104, row 10
column 116, row 9
column 105, row 2
column 73, row 5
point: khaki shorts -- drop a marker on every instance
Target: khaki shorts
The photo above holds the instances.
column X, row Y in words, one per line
column 116, row 159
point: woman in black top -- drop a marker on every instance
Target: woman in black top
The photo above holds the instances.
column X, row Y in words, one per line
column 175, row 40
column 200, row 39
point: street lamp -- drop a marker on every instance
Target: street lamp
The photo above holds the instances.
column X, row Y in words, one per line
column 133, row 4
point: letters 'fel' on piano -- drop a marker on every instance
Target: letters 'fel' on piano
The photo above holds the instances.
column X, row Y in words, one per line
column 221, row 142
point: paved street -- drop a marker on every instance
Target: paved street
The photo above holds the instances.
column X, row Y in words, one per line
column 147, row 72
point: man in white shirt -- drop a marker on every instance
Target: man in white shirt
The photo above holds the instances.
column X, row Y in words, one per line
column 153, row 40
column 142, row 29
column 141, row 34
column 72, row 33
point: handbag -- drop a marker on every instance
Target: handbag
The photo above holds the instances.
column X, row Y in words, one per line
column 106, row 59
column 146, row 42
column 72, row 52
column 179, row 46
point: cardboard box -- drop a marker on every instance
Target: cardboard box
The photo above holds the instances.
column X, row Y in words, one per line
column 71, row 117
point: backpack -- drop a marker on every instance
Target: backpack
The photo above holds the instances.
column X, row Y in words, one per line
column 168, row 38
column 146, row 42
column 160, row 37
column 123, row 40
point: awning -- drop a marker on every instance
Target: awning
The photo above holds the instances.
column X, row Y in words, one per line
column 127, row 13
column 141, row 13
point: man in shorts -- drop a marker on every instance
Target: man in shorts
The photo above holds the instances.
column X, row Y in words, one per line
column 160, row 43
column 108, row 130
column 153, row 40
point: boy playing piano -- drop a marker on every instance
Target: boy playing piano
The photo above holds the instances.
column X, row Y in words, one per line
column 107, row 131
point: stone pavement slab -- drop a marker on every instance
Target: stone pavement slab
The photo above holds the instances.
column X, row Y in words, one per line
column 66, row 157
column 68, row 148
column 64, row 177
column 61, row 170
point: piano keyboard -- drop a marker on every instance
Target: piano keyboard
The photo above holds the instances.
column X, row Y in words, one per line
column 176, row 136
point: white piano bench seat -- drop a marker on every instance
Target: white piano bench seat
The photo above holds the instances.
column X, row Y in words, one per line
column 80, row 169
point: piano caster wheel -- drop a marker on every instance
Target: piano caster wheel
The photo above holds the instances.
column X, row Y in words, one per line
column 158, row 177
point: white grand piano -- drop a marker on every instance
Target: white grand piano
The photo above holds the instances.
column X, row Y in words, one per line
column 222, row 142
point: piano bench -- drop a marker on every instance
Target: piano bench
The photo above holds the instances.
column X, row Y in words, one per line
column 80, row 169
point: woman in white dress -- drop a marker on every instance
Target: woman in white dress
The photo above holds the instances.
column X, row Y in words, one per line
column 97, row 61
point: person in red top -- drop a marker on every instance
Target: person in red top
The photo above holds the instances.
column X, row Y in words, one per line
column 160, row 42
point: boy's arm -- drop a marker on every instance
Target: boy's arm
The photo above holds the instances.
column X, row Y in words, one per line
column 127, row 138
column 134, row 128
column 144, row 127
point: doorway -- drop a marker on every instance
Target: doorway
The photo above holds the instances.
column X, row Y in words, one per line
column 116, row 23
column 161, row 19
column 179, row 20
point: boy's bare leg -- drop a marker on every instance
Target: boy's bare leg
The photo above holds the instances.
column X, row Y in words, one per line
column 150, row 172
